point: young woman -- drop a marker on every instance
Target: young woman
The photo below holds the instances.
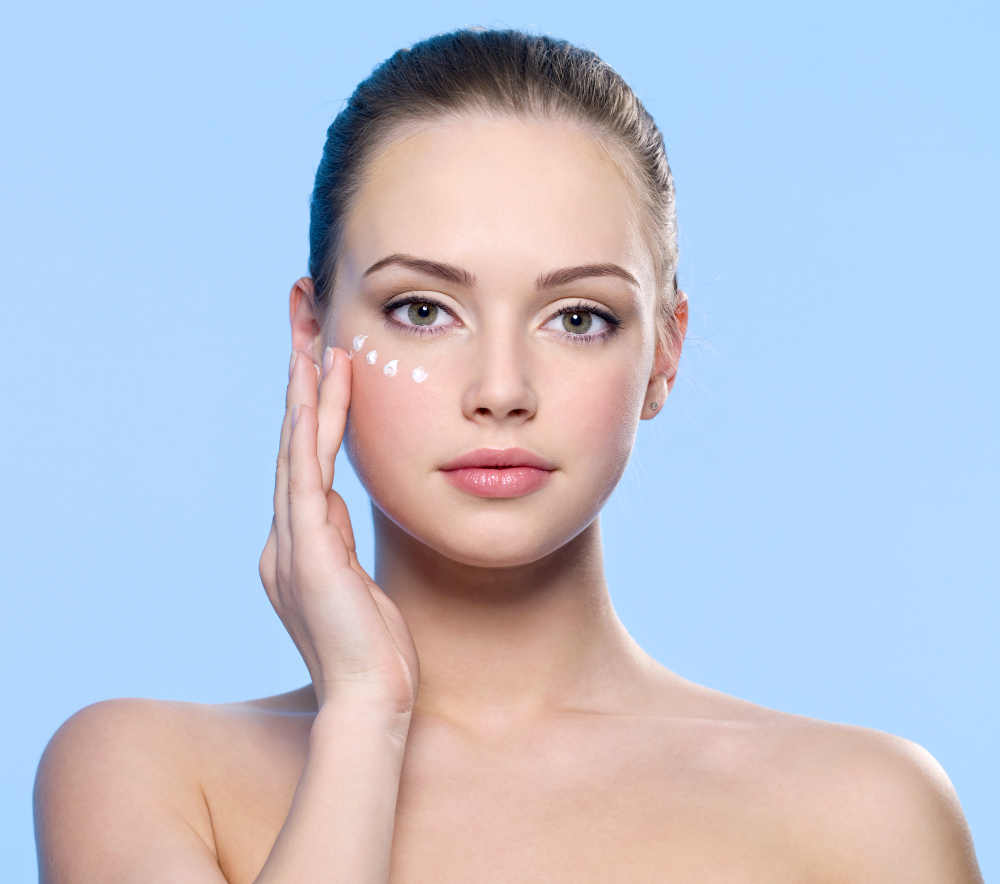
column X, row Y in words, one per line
column 491, row 310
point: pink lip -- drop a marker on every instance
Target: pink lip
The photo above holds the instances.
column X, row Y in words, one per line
column 498, row 472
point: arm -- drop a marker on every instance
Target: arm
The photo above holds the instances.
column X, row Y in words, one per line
column 339, row 828
column 357, row 647
column 117, row 794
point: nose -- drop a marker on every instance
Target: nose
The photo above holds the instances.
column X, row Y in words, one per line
column 499, row 390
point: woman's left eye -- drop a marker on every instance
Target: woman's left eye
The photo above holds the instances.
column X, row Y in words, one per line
column 578, row 322
column 421, row 314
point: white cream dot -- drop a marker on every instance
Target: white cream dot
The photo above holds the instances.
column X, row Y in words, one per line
column 419, row 375
column 358, row 342
column 390, row 368
column 371, row 357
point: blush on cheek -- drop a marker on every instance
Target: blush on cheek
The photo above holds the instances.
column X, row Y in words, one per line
column 598, row 415
column 390, row 429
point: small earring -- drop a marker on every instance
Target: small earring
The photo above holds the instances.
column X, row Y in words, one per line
column 653, row 406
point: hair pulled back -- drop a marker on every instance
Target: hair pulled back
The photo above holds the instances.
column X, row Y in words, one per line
column 494, row 72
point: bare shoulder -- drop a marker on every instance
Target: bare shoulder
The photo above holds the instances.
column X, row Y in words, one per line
column 882, row 803
column 869, row 805
column 122, row 784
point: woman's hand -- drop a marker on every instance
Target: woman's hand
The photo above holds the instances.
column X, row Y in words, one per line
column 353, row 639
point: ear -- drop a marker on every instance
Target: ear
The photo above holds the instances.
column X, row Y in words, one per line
column 307, row 335
column 668, row 355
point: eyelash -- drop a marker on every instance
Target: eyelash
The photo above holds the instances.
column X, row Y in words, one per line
column 614, row 323
column 396, row 303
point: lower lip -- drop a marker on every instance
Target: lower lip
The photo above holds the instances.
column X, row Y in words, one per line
column 503, row 482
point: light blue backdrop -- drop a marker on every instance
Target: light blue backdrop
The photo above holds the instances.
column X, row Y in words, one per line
column 811, row 524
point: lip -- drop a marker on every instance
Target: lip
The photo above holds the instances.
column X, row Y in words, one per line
column 498, row 472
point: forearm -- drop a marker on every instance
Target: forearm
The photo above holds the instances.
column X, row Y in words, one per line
column 339, row 827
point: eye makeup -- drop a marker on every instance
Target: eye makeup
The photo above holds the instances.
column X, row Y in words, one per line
column 574, row 323
column 417, row 314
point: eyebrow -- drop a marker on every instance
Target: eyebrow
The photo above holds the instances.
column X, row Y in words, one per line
column 571, row 274
column 447, row 272
column 460, row 276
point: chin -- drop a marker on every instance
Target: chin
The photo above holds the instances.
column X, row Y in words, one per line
column 497, row 549
column 490, row 534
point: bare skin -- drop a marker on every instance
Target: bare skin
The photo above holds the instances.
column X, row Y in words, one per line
column 477, row 712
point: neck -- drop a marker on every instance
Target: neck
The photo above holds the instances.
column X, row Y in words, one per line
column 510, row 642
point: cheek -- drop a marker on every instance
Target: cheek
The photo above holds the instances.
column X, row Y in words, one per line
column 596, row 410
column 399, row 431
column 390, row 429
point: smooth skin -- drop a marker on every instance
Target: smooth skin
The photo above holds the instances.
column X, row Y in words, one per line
column 477, row 712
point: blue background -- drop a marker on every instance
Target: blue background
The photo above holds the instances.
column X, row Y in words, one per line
column 812, row 523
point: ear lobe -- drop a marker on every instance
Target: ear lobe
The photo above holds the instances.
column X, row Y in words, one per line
column 306, row 332
column 668, row 354
column 657, row 391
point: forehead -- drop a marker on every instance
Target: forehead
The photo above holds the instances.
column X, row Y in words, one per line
column 501, row 197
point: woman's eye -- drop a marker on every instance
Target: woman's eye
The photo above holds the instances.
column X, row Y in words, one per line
column 421, row 314
column 578, row 322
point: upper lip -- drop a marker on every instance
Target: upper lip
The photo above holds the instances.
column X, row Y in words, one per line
column 498, row 458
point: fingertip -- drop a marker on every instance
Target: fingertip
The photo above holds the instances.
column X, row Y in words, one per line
column 346, row 364
column 336, row 363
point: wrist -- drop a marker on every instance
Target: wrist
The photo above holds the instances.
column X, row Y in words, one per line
column 363, row 713
column 364, row 696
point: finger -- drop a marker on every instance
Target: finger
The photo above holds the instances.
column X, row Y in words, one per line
column 337, row 513
column 281, row 474
column 303, row 379
column 307, row 504
column 301, row 390
column 269, row 563
column 334, row 399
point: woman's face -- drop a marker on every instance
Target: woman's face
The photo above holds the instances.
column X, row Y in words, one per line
column 502, row 264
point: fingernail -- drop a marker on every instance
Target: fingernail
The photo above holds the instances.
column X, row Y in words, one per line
column 295, row 415
column 327, row 361
column 291, row 364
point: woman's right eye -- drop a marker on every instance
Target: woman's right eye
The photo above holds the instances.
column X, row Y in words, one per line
column 422, row 314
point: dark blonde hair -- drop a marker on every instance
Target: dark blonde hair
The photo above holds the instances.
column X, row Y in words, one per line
column 497, row 72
